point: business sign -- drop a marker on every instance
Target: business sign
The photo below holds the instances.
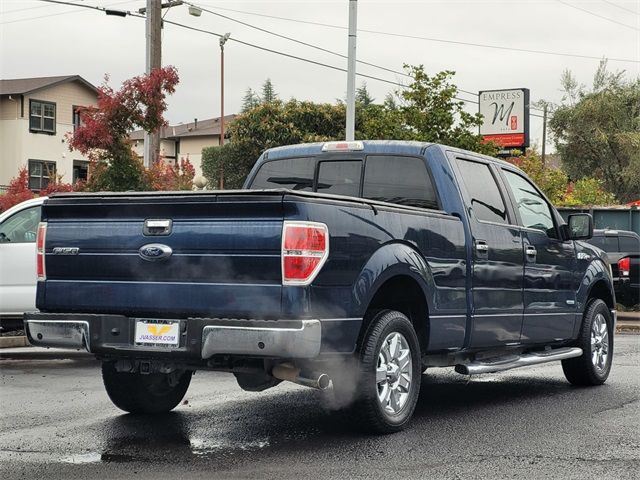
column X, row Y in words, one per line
column 505, row 117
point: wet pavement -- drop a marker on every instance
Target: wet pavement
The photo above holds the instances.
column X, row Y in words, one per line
column 57, row 422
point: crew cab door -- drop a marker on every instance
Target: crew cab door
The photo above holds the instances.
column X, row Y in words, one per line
column 496, row 256
column 549, row 281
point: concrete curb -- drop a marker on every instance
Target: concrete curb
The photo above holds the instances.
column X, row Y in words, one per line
column 12, row 342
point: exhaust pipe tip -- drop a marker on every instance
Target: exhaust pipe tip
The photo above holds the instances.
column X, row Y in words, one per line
column 323, row 381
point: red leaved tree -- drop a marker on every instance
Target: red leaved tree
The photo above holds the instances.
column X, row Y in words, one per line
column 165, row 176
column 103, row 134
column 18, row 191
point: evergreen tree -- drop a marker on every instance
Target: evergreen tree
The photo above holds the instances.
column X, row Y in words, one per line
column 268, row 92
column 250, row 100
column 363, row 96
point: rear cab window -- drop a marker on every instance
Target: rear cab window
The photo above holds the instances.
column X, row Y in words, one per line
column 629, row 244
column 404, row 180
column 340, row 177
column 292, row 173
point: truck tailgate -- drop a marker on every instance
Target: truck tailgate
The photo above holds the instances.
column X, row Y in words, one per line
column 225, row 254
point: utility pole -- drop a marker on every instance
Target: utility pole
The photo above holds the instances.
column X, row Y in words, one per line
column 223, row 40
column 351, row 71
column 544, row 136
column 153, row 60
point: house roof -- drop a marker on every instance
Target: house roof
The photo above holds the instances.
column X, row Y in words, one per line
column 21, row 86
column 209, row 126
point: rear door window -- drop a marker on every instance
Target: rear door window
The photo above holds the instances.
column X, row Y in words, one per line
column 402, row 180
column 486, row 200
column 292, row 173
column 340, row 178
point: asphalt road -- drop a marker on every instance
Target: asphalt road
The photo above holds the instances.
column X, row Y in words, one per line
column 57, row 422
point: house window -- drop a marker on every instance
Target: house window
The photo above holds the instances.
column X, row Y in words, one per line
column 40, row 172
column 80, row 170
column 76, row 118
column 42, row 116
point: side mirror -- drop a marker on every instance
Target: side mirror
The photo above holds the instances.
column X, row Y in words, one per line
column 580, row 226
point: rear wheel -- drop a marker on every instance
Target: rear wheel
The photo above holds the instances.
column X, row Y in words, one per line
column 150, row 393
column 596, row 341
column 389, row 373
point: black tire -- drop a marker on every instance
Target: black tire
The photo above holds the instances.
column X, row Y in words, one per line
column 151, row 393
column 368, row 408
column 582, row 371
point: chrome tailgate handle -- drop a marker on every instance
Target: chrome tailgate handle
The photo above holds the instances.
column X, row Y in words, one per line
column 157, row 227
column 482, row 249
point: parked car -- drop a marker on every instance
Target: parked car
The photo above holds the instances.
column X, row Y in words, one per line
column 351, row 264
column 18, row 227
column 623, row 253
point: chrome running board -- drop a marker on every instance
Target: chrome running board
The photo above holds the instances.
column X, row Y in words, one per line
column 500, row 364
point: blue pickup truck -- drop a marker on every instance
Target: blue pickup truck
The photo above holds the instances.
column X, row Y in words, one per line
column 347, row 266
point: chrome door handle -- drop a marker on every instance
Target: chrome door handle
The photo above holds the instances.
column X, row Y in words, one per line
column 530, row 251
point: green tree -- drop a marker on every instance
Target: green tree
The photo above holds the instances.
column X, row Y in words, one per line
column 432, row 113
column 552, row 181
column 363, row 97
column 555, row 184
column 588, row 191
column 268, row 92
column 597, row 131
column 226, row 157
column 250, row 100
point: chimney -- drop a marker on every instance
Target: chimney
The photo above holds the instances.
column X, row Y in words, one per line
column 195, row 123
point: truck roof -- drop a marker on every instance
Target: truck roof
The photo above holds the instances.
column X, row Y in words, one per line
column 370, row 146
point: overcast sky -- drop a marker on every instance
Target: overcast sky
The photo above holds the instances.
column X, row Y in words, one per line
column 41, row 39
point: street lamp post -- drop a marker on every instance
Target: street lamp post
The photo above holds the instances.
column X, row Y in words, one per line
column 223, row 40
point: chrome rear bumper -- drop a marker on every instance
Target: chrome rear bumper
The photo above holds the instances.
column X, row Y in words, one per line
column 201, row 338
column 59, row 333
column 300, row 340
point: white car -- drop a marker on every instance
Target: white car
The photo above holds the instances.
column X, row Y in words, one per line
column 18, row 227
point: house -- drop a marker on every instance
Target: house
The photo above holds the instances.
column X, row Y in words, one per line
column 35, row 115
column 185, row 140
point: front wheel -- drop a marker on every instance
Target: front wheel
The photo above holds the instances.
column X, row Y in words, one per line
column 596, row 341
column 389, row 373
column 151, row 393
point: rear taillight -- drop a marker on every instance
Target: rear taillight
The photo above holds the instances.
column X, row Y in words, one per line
column 40, row 240
column 305, row 248
column 624, row 265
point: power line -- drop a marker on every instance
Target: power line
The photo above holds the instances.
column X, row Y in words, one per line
column 296, row 57
column 433, row 39
column 597, row 15
column 90, row 7
column 259, row 47
column 621, row 7
column 270, row 32
column 317, row 47
column 31, row 8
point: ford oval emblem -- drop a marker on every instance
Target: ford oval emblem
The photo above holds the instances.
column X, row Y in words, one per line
column 155, row 251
